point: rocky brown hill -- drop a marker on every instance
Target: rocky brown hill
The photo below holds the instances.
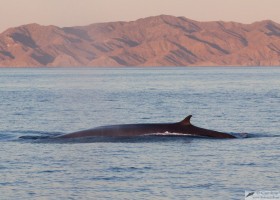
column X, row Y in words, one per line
column 153, row 41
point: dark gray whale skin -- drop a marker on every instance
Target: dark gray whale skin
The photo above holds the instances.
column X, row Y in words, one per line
column 130, row 130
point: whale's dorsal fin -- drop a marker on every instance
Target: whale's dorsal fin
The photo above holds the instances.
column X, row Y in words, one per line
column 186, row 121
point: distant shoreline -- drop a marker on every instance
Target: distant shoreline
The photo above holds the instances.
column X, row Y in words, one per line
column 157, row 41
column 134, row 67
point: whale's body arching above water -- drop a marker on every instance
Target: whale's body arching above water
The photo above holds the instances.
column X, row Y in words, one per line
column 130, row 130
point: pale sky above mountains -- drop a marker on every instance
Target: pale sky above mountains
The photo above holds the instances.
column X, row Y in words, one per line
column 83, row 12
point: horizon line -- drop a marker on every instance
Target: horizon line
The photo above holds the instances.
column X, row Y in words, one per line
column 141, row 18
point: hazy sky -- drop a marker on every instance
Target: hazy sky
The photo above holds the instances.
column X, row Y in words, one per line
column 84, row 12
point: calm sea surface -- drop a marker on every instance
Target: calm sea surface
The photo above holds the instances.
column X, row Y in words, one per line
column 49, row 102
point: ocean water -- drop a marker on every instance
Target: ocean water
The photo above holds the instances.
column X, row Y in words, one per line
column 48, row 102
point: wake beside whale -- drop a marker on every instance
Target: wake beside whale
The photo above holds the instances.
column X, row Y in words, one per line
column 129, row 130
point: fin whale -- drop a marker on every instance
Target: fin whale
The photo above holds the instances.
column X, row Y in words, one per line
column 129, row 130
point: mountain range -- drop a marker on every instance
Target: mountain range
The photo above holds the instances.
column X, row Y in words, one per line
column 153, row 41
